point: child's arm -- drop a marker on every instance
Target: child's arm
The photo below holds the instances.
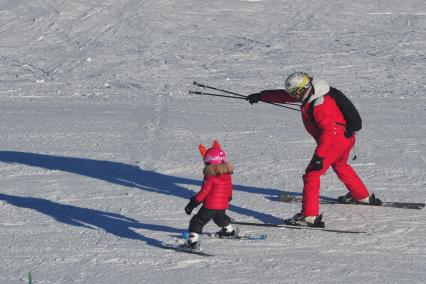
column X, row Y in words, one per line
column 205, row 189
column 230, row 190
column 200, row 196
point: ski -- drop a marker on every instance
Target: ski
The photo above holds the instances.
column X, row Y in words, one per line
column 241, row 236
column 180, row 247
column 325, row 200
column 300, row 227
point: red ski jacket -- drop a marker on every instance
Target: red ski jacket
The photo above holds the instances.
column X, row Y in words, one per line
column 320, row 114
column 216, row 191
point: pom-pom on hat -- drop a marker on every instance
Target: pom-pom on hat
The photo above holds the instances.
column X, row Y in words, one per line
column 214, row 155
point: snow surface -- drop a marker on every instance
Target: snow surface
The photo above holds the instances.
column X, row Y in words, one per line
column 99, row 137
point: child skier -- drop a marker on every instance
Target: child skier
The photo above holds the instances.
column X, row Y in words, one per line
column 215, row 194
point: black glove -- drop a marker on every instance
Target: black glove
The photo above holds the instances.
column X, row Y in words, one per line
column 316, row 163
column 253, row 98
column 349, row 133
column 191, row 205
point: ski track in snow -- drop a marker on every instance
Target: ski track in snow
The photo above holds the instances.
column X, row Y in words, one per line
column 99, row 138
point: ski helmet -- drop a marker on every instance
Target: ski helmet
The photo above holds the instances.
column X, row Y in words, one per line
column 297, row 84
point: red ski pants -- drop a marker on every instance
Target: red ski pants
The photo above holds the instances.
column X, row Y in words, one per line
column 337, row 158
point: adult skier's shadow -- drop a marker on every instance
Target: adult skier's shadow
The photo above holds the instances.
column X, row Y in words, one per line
column 131, row 176
column 112, row 223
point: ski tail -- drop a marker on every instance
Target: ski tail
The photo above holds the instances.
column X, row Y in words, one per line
column 181, row 248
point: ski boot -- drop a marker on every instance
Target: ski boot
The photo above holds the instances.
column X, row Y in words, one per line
column 193, row 243
column 195, row 246
column 227, row 232
column 370, row 200
column 374, row 201
column 309, row 221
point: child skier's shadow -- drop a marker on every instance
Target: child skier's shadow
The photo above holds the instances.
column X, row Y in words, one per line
column 112, row 223
column 131, row 176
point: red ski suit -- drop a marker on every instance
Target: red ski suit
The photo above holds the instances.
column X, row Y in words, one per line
column 216, row 191
column 323, row 121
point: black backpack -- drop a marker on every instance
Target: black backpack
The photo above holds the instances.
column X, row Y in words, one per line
column 351, row 114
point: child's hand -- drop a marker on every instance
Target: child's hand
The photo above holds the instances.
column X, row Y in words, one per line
column 191, row 205
column 189, row 208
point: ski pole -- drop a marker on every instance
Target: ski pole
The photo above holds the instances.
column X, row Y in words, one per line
column 242, row 96
column 233, row 97
column 215, row 95
column 217, row 89
column 228, row 92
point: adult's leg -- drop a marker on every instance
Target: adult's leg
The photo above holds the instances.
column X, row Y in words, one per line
column 311, row 189
column 349, row 177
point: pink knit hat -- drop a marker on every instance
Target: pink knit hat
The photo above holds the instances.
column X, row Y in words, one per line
column 214, row 155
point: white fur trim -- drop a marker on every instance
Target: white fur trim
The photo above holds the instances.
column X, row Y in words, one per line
column 321, row 88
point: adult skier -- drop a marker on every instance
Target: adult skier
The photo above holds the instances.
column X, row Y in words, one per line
column 325, row 122
column 215, row 194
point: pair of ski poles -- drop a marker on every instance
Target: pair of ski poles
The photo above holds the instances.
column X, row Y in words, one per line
column 233, row 95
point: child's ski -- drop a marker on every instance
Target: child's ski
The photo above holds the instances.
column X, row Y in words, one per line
column 180, row 247
column 241, row 236
column 406, row 205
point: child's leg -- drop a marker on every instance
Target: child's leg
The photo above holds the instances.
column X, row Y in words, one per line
column 200, row 220
column 223, row 220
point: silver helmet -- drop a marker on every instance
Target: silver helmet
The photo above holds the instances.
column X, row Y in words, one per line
column 297, row 84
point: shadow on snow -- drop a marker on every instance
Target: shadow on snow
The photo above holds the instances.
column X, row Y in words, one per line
column 112, row 223
column 121, row 174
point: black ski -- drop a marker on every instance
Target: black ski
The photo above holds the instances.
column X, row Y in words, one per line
column 249, row 236
column 325, row 200
column 241, row 236
column 180, row 247
column 301, row 227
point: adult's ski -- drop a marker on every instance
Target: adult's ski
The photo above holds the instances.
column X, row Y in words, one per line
column 406, row 205
column 300, row 227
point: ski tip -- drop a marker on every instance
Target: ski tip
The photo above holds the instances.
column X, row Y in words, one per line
column 418, row 205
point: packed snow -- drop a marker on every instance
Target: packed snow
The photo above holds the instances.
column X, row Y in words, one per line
column 99, row 138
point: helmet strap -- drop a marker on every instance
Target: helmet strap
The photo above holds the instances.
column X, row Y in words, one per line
column 307, row 95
